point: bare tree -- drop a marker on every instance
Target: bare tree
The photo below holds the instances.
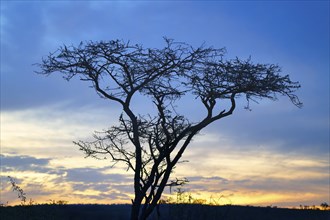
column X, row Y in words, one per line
column 20, row 192
column 151, row 145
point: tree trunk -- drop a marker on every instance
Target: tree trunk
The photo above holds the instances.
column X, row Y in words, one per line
column 135, row 211
column 146, row 213
column 141, row 214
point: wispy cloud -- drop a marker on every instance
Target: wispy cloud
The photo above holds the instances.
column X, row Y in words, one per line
column 19, row 163
column 53, row 128
column 41, row 182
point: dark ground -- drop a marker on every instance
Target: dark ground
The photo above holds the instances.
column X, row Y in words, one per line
column 168, row 212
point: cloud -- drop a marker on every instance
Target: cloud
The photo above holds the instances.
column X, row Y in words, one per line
column 238, row 171
column 41, row 181
column 275, row 143
column 51, row 129
column 82, row 186
column 278, row 126
column 21, row 163
column 214, row 179
column 94, row 175
column 26, row 39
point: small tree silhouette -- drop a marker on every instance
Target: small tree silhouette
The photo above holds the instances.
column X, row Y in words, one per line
column 324, row 205
column 21, row 194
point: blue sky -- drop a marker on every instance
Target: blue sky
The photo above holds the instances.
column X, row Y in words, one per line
column 275, row 153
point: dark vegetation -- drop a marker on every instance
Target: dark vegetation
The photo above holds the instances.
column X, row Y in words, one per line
column 167, row 212
column 185, row 207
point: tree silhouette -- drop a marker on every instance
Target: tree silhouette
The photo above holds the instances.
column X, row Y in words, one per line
column 20, row 192
column 324, row 205
column 151, row 145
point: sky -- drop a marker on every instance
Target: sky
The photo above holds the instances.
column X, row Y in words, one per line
column 275, row 154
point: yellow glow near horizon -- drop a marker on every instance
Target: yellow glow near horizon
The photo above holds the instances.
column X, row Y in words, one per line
column 242, row 175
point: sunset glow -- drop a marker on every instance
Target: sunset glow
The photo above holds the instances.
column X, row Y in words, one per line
column 276, row 154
